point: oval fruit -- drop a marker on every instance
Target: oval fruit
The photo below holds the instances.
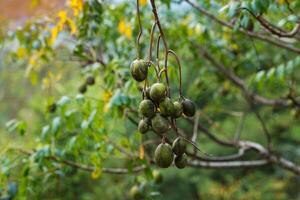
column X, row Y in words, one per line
column 166, row 107
column 82, row 88
column 179, row 146
column 189, row 107
column 178, row 109
column 181, row 161
column 139, row 70
column 143, row 126
column 158, row 92
column 163, row 155
column 90, row 80
column 160, row 124
column 147, row 108
column 135, row 193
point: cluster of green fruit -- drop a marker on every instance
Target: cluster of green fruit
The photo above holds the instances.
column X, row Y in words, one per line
column 158, row 111
column 90, row 80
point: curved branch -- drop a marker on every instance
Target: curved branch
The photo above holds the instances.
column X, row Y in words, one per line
column 241, row 84
column 83, row 167
column 278, row 42
column 228, row 164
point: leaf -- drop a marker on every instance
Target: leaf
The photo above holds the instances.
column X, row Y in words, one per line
column 141, row 152
column 96, row 173
column 233, row 9
column 56, row 123
column 63, row 101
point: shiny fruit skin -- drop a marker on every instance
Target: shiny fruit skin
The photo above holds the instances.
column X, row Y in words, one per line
column 181, row 161
column 179, row 146
column 160, row 124
column 163, row 155
column 147, row 108
column 189, row 108
column 166, row 107
column 158, row 92
column 139, row 70
column 143, row 126
column 178, row 109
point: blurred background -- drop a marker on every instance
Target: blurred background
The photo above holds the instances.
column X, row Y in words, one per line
column 48, row 48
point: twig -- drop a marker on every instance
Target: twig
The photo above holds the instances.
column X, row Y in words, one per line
column 278, row 42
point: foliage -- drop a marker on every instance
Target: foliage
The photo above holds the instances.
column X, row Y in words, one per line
column 47, row 121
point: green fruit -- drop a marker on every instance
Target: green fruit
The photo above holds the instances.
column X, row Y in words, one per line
column 160, row 124
column 82, row 88
column 181, row 161
column 163, row 155
column 147, row 108
column 135, row 193
column 90, row 80
column 148, row 93
column 139, row 70
column 143, row 126
column 166, row 107
column 178, row 109
column 51, row 108
column 158, row 178
column 189, row 108
column 158, row 92
column 179, row 146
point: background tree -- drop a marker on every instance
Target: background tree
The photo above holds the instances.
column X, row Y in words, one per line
column 74, row 118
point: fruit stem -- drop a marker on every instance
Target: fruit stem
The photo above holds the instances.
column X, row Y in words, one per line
column 140, row 29
column 180, row 73
column 151, row 41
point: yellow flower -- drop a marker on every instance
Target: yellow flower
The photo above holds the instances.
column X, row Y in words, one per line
column 143, row 2
column 77, row 6
column 96, row 173
column 21, row 52
column 125, row 29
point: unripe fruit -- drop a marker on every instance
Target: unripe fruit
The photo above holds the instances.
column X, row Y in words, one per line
column 179, row 146
column 51, row 108
column 181, row 161
column 178, row 109
column 139, row 70
column 143, row 126
column 158, row 178
column 90, row 80
column 160, row 124
column 135, row 193
column 166, row 107
column 82, row 88
column 163, row 155
column 147, row 108
column 157, row 92
column 189, row 108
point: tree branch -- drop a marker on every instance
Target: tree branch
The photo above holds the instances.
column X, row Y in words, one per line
column 278, row 42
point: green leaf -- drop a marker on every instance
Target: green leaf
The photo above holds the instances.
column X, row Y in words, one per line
column 56, row 123
column 63, row 101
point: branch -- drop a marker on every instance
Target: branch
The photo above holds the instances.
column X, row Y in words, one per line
column 228, row 164
column 84, row 167
column 241, row 84
column 278, row 42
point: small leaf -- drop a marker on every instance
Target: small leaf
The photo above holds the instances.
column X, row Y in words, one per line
column 63, row 101
column 96, row 173
column 56, row 123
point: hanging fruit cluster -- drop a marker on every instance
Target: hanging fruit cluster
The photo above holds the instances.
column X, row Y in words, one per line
column 158, row 112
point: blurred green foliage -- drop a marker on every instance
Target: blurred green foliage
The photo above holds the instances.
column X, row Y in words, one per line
column 43, row 63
